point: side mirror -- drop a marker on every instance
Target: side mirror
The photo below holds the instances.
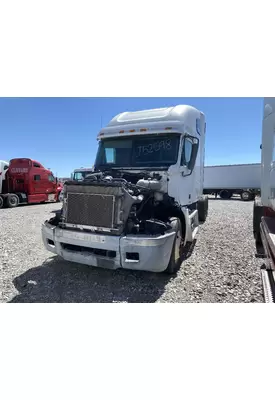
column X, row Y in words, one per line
column 185, row 172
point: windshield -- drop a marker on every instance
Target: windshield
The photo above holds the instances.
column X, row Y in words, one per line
column 80, row 175
column 149, row 151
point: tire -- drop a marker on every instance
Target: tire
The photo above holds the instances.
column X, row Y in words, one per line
column 203, row 209
column 12, row 200
column 246, row 195
column 225, row 194
column 176, row 254
column 1, row 202
column 258, row 211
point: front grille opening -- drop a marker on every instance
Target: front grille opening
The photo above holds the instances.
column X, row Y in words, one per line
column 83, row 249
column 132, row 256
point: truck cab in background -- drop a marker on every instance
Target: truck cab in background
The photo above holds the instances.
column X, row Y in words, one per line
column 264, row 206
column 143, row 202
column 28, row 182
column 80, row 174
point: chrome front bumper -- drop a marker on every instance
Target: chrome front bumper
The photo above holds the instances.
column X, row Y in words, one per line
column 110, row 252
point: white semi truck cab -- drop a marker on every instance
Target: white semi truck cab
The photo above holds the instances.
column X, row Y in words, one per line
column 143, row 202
column 4, row 165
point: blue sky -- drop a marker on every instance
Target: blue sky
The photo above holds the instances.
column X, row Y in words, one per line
column 61, row 132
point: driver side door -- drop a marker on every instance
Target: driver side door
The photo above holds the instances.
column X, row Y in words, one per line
column 187, row 188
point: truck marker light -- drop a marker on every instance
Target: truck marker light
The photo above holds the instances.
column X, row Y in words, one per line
column 132, row 130
column 143, row 130
column 121, row 131
column 168, row 128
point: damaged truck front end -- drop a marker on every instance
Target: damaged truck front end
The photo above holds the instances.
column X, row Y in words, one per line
column 110, row 222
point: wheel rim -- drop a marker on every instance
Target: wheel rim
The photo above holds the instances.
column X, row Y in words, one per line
column 245, row 195
column 13, row 201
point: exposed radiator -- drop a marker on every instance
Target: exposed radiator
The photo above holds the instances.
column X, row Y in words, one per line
column 96, row 206
column 91, row 209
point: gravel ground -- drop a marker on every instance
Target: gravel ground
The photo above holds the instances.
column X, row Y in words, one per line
column 220, row 267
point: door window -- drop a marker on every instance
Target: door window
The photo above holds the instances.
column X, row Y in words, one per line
column 186, row 152
column 189, row 152
column 51, row 178
column 36, row 177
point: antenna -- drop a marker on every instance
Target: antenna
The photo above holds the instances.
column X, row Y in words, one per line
column 100, row 122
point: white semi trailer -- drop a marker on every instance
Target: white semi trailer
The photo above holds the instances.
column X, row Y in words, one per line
column 143, row 202
column 227, row 180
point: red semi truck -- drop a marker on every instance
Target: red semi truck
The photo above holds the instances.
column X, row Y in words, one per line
column 27, row 182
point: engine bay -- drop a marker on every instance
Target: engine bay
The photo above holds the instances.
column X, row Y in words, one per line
column 117, row 202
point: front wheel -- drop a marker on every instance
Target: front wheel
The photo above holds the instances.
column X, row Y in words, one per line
column 176, row 255
column 203, row 208
column 1, row 202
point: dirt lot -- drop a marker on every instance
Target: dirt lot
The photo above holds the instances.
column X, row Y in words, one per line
column 220, row 267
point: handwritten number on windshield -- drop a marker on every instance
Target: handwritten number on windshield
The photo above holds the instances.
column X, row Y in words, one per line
column 154, row 147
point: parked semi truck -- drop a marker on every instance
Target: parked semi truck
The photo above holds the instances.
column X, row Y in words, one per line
column 79, row 174
column 227, row 180
column 25, row 181
column 264, row 206
column 142, row 204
